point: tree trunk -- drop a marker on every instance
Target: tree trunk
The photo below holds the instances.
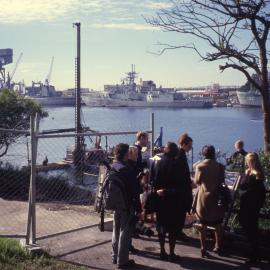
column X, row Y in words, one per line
column 266, row 121
column 265, row 95
column 266, row 111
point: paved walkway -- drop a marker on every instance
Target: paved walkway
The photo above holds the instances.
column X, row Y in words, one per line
column 91, row 248
column 71, row 233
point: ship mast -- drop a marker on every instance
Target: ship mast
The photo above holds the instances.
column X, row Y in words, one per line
column 131, row 76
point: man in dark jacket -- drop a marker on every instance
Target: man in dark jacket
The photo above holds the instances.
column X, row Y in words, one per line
column 141, row 141
column 136, row 182
column 122, row 226
column 185, row 143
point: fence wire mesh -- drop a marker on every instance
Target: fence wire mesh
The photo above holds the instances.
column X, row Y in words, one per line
column 65, row 187
column 65, row 190
column 14, row 183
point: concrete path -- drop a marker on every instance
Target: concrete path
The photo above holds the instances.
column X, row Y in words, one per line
column 91, row 248
column 71, row 233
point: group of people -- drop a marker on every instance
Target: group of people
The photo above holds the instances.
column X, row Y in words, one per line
column 172, row 185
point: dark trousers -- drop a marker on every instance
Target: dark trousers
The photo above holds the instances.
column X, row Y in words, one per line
column 250, row 222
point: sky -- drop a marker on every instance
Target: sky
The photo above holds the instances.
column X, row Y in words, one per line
column 114, row 35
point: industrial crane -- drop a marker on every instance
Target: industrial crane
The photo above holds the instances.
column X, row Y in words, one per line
column 48, row 78
column 10, row 76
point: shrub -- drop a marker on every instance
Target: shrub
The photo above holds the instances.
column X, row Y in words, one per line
column 15, row 182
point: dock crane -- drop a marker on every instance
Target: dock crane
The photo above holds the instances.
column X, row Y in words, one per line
column 48, row 78
column 10, row 76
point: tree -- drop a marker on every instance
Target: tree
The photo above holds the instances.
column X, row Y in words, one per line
column 15, row 112
column 236, row 32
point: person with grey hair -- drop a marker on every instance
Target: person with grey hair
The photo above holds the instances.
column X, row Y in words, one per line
column 208, row 177
column 237, row 159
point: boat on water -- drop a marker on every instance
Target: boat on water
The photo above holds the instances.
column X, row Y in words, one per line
column 144, row 94
column 95, row 98
column 248, row 95
column 250, row 98
column 46, row 95
column 158, row 99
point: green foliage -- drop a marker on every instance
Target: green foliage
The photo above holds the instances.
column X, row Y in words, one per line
column 15, row 182
column 236, row 164
column 11, row 250
column 15, row 112
column 14, row 257
column 265, row 161
column 264, row 221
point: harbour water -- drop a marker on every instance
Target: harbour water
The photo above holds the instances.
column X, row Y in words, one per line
column 218, row 126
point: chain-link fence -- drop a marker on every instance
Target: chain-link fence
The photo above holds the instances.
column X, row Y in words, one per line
column 48, row 181
column 14, row 182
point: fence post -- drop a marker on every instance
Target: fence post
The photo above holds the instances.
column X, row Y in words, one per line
column 152, row 123
column 31, row 220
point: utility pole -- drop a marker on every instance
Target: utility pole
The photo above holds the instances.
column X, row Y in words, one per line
column 78, row 83
column 79, row 151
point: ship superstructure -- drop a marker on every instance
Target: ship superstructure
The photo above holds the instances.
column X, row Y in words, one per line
column 248, row 95
column 145, row 94
column 46, row 94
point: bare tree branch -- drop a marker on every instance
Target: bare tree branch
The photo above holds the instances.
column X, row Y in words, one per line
column 235, row 31
column 3, row 152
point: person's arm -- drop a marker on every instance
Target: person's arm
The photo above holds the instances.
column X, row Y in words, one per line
column 198, row 175
column 135, row 191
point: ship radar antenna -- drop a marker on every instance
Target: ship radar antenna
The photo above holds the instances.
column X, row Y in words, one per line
column 132, row 75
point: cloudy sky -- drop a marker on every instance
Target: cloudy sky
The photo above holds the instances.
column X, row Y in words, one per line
column 114, row 36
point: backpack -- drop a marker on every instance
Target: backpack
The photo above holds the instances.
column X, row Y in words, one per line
column 113, row 191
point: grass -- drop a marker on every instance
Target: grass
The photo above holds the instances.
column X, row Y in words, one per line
column 14, row 257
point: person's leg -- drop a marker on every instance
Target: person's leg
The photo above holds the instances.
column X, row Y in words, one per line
column 172, row 241
column 134, row 234
column 124, row 238
column 115, row 236
column 161, row 239
column 202, row 232
column 181, row 235
column 218, row 237
column 252, row 230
